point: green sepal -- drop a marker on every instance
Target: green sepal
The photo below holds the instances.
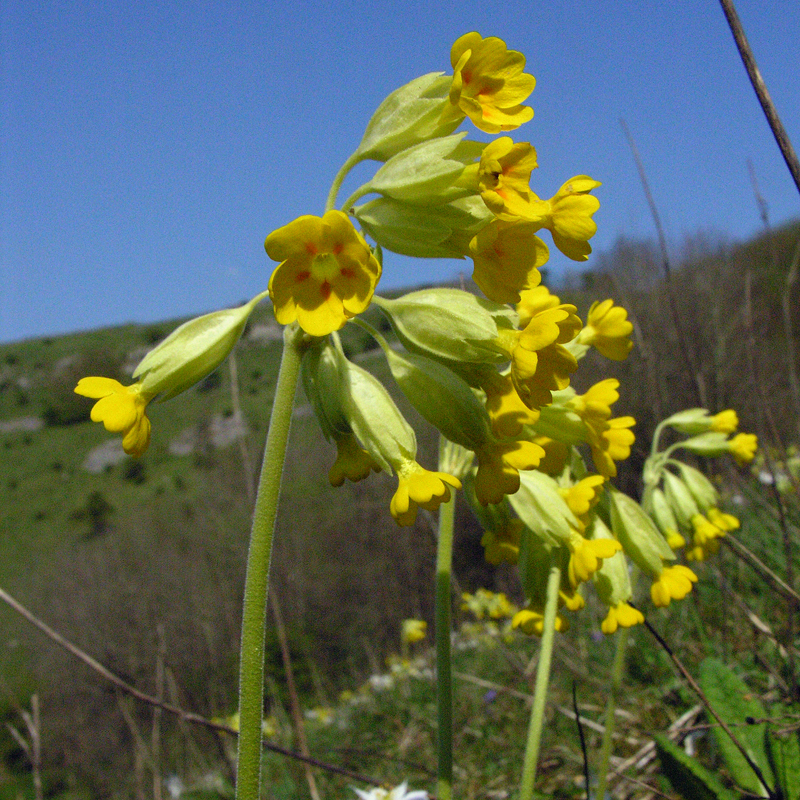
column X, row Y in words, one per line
column 193, row 350
column 637, row 533
column 407, row 116
column 322, row 383
column 541, row 507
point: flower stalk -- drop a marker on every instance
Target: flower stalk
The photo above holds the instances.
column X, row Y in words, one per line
column 536, row 724
column 611, row 707
column 254, row 613
column 444, row 678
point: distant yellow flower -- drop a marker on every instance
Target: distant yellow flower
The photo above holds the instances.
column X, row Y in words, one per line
column 705, row 531
column 506, row 257
column 532, row 622
column 418, row 487
column 608, row 329
column 413, row 630
column 352, row 462
column 501, row 546
column 674, row 539
column 121, row 409
column 743, row 447
column 568, row 216
column 583, row 496
column 503, row 175
column 489, row 84
column 586, row 556
column 674, row 583
column 722, row 520
column 725, row 422
column 594, row 406
column 621, row 615
column 327, row 272
column 498, row 468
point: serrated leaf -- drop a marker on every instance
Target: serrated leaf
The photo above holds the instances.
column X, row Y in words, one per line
column 687, row 775
column 731, row 698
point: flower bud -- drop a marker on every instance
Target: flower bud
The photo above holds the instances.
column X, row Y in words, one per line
column 409, row 115
column 322, row 381
column 639, row 537
column 690, row 420
column 680, row 499
column 655, row 503
column 442, row 231
column 442, row 398
column 431, row 173
column 449, row 324
column 374, row 418
column 193, row 350
column 700, row 487
column 541, row 507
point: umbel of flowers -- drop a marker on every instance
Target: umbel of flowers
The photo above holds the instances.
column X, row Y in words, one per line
column 491, row 372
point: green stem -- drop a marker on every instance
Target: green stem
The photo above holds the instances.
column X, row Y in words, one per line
column 339, row 179
column 616, row 681
column 540, row 688
column 444, row 678
column 254, row 613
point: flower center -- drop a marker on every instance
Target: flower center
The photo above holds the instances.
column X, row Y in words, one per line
column 325, row 267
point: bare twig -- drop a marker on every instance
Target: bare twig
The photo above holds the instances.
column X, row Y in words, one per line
column 778, row 131
column 186, row 716
column 694, row 372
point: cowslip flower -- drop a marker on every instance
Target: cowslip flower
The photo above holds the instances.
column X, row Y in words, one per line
column 608, row 330
column 614, row 445
column 353, row 462
column 503, row 175
column 743, row 447
column 413, row 630
column 507, row 412
column 327, row 272
column 419, row 488
column 121, row 409
column 674, row 583
column 725, row 422
column 531, row 621
column 499, row 465
column 568, row 216
column 586, row 556
column 489, row 84
column 506, row 258
column 622, row 615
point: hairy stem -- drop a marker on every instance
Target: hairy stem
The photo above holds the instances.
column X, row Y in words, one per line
column 254, row 613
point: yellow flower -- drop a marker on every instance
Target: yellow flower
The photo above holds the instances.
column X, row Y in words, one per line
column 621, row 615
column 352, row 461
column 501, row 545
column 674, row 583
column 555, row 455
column 327, row 272
column 505, row 407
column 586, row 556
column 743, row 447
column 488, row 84
column 594, row 406
column 705, row 531
column 722, row 520
column 583, row 496
column 506, row 256
column 419, row 487
column 725, row 422
column 608, row 329
column 121, row 409
column 532, row 622
column 498, row 468
column 413, row 630
column 568, row 216
column 615, row 445
column 674, row 539
column 539, row 363
column 503, row 175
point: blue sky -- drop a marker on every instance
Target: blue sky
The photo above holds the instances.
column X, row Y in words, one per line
column 148, row 148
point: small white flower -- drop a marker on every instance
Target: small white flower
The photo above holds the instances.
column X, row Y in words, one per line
column 398, row 793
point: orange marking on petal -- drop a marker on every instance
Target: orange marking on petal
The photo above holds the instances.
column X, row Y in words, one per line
column 337, row 248
column 347, row 272
column 311, row 248
column 466, row 76
column 325, row 290
column 302, row 276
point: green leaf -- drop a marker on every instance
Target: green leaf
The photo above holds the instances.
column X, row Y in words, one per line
column 735, row 703
column 784, row 750
column 687, row 775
